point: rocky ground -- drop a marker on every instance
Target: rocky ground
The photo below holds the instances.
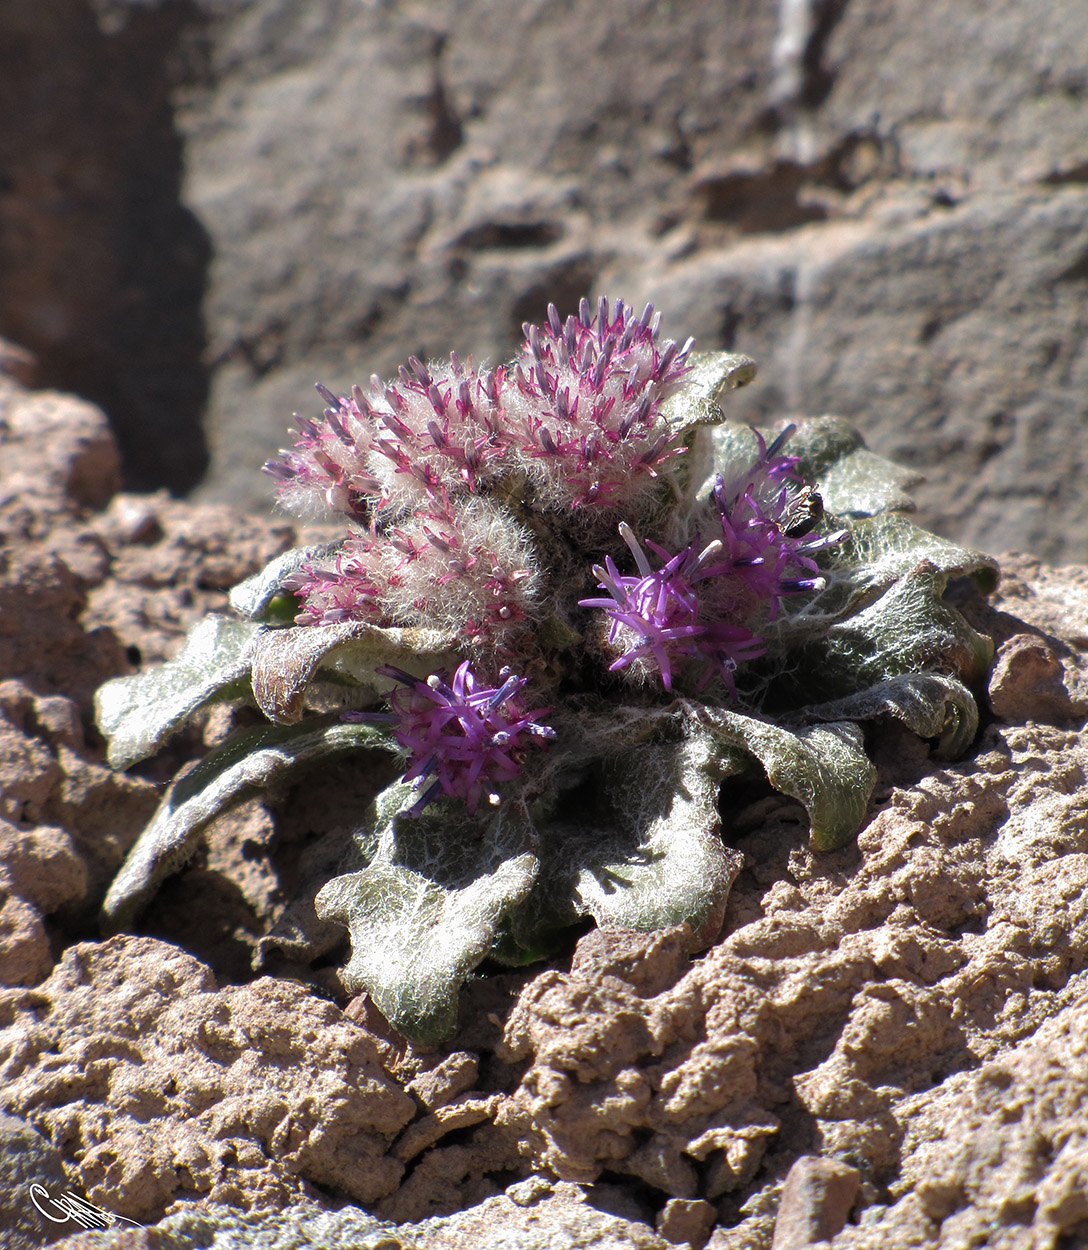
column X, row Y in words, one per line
column 887, row 1045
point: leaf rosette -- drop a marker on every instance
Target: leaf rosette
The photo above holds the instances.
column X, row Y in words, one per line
column 768, row 608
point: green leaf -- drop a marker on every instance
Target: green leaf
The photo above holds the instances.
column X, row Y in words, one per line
column 710, row 375
column 426, row 909
column 906, row 629
column 697, row 405
column 286, row 661
column 852, row 481
column 137, row 714
column 823, row 767
column 880, row 549
column 932, row 705
column 636, row 845
column 251, row 759
column 255, row 597
column 877, row 554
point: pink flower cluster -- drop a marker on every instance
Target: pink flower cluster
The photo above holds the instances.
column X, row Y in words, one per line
column 578, row 415
column 706, row 602
column 473, row 494
column 424, row 462
column 471, row 567
column 586, row 403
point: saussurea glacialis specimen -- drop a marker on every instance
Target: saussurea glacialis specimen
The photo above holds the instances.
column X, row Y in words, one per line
column 576, row 604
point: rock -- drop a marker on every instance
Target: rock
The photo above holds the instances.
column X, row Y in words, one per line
column 816, row 1199
column 27, row 1159
column 1027, row 683
column 563, row 1217
column 885, row 208
column 41, row 597
column 25, row 943
column 163, row 1086
column 963, row 895
column 996, row 1153
column 859, row 319
column 439, row 1085
column 40, row 871
column 686, row 1222
column 104, row 266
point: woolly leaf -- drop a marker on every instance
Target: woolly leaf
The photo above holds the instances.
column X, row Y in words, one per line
column 636, row 845
column 932, row 705
column 695, row 407
column 877, row 555
column 251, row 758
column 710, row 375
column 137, row 714
column 851, row 480
column 907, row 628
column 880, row 549
column 286, row 661
column 256, row 597
column 824, row 767
column 426, row 908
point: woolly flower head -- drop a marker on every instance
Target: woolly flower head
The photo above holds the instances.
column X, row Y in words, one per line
column 427, row 466
column 704, row 606
column 466, row 567
column 462, row 736
column 587, row 395
column 395, row 446
column 579, row 415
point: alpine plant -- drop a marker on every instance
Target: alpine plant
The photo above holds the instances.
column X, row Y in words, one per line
column 575, row 604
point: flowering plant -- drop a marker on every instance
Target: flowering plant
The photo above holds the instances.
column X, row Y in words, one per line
column 576, row 605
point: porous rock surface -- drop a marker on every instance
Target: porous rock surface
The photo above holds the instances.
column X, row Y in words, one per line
column 163, row 1084
column 912, row 1007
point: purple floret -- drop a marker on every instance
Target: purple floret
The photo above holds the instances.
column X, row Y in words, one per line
column 464, row 734
column 707, row 601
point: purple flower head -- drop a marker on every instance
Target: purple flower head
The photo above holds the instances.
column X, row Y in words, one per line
column 586, row 396
column 465, row 735
column 767, row 515
column 708, row 601
column 657, row 615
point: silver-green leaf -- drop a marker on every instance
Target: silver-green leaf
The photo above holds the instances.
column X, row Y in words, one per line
column 642, row 848
column 823, row 767
column 932, row 705
column 286, row 662
column 251, row 759
column 852, row 480
column 710, row 375
column 137, row 714
column 426, row 908
column 254, row 597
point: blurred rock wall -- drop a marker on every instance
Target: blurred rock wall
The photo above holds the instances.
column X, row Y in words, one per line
column 208, row 205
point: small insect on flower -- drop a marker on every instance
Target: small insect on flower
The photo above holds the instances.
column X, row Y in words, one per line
column 465, row 735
